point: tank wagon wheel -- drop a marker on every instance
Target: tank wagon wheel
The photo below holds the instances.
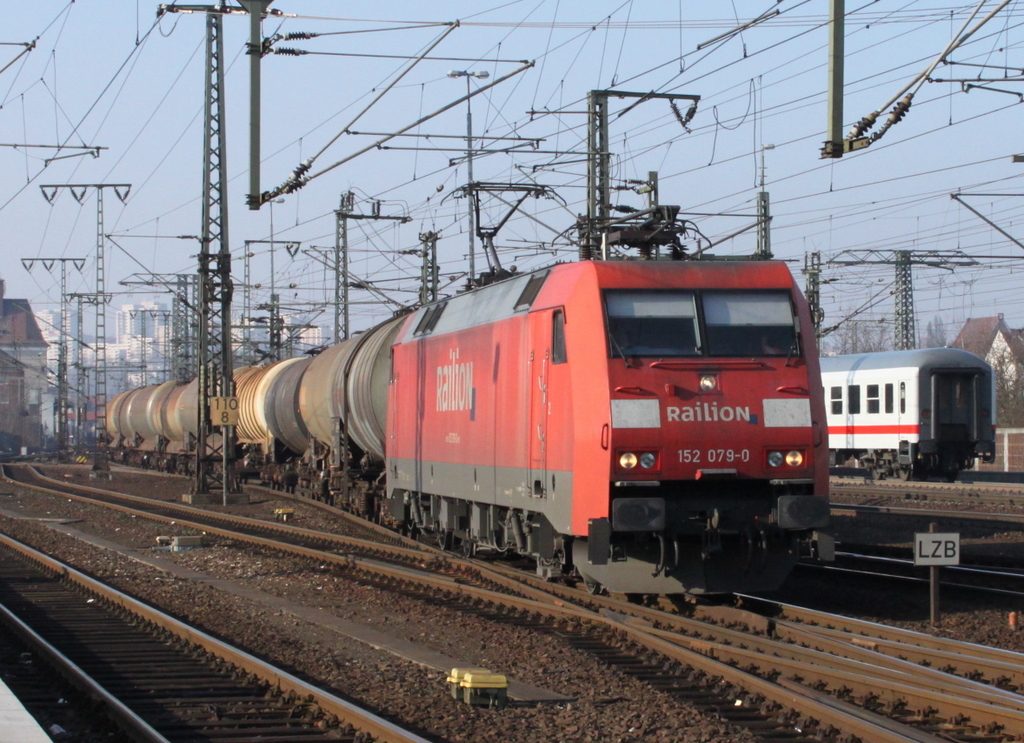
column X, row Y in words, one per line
column 468, row 548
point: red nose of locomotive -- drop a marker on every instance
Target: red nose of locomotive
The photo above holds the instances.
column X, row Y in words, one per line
column 714, row 437
column 689, row 420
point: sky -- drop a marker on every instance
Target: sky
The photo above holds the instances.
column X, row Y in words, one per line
column 112, row 75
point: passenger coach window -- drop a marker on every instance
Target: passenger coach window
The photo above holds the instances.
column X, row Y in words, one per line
column 873, row 401
column 853, row 399
column 558, row 355
column 749, row 324
column 836, row 394
column 888, row 398
column 652, row 323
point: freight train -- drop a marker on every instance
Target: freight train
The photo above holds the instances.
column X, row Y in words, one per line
column 910, row 414
column 645, row 427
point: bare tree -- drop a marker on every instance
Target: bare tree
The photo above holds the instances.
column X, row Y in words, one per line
column 935, row 334
column 1009, row 379
column 860, row 336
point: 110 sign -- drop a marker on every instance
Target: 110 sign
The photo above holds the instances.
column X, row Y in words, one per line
column 223, row 411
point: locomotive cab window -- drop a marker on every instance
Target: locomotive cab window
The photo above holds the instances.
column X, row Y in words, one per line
column 750, row 324
column 558, row 354
column 652, row 323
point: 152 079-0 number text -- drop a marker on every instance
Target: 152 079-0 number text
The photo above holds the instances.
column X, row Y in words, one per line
column 713, row 456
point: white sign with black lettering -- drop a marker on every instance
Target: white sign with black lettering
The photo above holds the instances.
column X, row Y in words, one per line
column 936, row 549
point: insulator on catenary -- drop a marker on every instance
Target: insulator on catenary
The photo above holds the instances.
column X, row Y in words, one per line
column 289, row 52
column 295, row 35
column 684, row 120
column 863, row 125
column 895, row 116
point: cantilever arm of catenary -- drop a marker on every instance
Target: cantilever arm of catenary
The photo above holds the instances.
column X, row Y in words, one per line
column 451, row 27
column 298, row 178
column 914, row 85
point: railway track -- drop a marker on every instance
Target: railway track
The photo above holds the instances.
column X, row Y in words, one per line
column 157, row 678
column 749, row 677
column 990, row 493
column 877, row 535
column 888, row 573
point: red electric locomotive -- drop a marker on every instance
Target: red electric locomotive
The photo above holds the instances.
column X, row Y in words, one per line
column 657, row 427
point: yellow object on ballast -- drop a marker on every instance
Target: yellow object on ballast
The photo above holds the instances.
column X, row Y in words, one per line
column 484, row 689
column 457, row 675
column 484, row 680
column 283, row 514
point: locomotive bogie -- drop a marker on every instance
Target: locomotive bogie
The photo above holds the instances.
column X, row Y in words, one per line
column 910, row 414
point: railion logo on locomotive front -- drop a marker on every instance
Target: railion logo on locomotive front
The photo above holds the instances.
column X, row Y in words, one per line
column 774, row 413
column 455, row 389
column 711, row 413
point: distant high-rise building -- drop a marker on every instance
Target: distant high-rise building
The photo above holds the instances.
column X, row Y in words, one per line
column 132, row 319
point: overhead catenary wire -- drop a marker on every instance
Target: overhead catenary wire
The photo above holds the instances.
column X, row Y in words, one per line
column 639, row 151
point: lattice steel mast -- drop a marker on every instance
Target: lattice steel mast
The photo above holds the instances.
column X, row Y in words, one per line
column 905, row 332
column 78, row 191
column 62, row 349
column 215, row 286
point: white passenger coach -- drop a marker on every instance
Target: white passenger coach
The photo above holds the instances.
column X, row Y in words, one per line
column 910, row 414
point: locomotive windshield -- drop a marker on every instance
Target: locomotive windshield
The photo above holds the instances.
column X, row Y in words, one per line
column 666, row 323
column 662, row 323
column 749, row 324
column 753, row 323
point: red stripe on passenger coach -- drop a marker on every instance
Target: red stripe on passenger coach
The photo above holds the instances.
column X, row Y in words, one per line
column 847, row 430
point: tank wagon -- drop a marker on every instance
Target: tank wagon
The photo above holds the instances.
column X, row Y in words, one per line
column 910, row 414
column 649, row 427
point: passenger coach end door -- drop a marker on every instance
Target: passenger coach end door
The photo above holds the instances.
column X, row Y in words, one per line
column 955, row 406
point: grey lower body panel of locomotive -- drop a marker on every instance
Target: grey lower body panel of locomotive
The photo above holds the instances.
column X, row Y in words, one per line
column 685, row 539
column 548, row 492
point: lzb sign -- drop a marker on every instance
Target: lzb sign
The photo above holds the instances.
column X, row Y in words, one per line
column 936, row 549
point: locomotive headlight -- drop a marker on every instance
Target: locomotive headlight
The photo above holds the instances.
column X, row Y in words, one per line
column 708, row 383
column 795, row 458
column 628, row 460
column 647, row 460
column 775, row 459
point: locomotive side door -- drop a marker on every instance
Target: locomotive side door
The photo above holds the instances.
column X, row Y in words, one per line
column 538, row 364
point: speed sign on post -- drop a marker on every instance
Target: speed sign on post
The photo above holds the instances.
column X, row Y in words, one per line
column 223, row 411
